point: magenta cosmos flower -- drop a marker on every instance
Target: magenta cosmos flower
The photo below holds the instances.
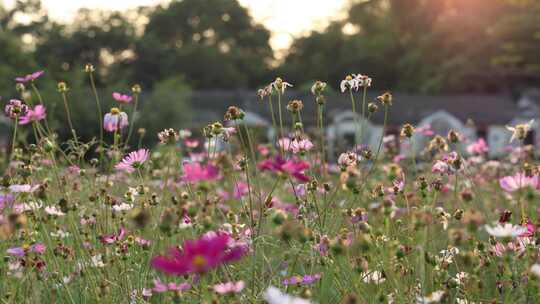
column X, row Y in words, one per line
column 199, row 256
column 518, row 181
column 115, row 120
column 36, row 114
column 133, row 160
column 30, row 77
column 194, row 172
column 122, row 98
column 292, row 167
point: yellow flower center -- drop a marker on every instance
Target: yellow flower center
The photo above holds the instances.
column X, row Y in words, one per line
column 199, row 261
column 115, row 111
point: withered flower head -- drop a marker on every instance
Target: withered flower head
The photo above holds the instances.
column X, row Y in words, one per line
column 318, row 88
column 295, row 106
column 438, row 143
column 407, row 130
column 385, row 99
column 168, row 136
column 453, row 136
column 234, row 113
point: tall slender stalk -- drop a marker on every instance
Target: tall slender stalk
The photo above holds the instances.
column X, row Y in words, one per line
column 100, row 115
column 14, row 139
column 132, row 116
column 356, row 123
column 68, row 114
column 281, row 134
column 363, row 114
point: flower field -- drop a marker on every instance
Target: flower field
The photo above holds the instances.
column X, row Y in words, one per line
column 214, row 216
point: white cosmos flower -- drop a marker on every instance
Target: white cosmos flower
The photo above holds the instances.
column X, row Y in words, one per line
column 520, row 131
column 122, row 207
column 506, row 230
column 61, row 234
column 272, row 295
column 535, row 269
column 52, row 210
column 347, row 84
column 97, row 261
column 375, row 277
column 434, row 297
column 362, row 80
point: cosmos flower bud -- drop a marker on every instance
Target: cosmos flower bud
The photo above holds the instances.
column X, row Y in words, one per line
column 136, row 89
column 453, row 136
column 372, row 107
column 89, row 68
column 385, row 99
column 279, row 217
column 321, row 100
column 62, row 87
column 20, row 87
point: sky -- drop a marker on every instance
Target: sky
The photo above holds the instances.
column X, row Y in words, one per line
column 285, row 18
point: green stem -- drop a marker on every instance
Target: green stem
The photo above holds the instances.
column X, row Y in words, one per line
column 356, row 123
column 14, row 139
column 100, row 116
column 68, row 114
column 132, row 116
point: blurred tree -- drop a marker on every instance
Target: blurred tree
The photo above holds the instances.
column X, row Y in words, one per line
column 166, row 107
column 104, row 39
column 214, row 43
column 426, row 46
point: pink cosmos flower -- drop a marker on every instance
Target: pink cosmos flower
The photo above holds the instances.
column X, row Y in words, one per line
column 15, row 108
column 292, row 167
column 115, row 120
column 21, row 252
column 284, row 143
column 30, row 77
column 133, row 160
column 440, row 167
column 36, row 114
column 113, row 238
column 24, row 188
column 194, row 172
column 160, row 287
column 425, row 130
column 518, row 181
column 301, row 146
column 240, row 189
column 191, row 143
column 302, row 280
column 479, row 147
column 199, row 256
column 263, row 149
column 122, row 98
column 229, row 287
column 74, row 169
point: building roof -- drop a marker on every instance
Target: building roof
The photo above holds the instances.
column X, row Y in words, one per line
column 484, row 110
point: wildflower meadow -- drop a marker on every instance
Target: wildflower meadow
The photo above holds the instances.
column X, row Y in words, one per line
column 217, row 215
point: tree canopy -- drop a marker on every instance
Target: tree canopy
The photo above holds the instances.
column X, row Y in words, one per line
column 408, row 45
